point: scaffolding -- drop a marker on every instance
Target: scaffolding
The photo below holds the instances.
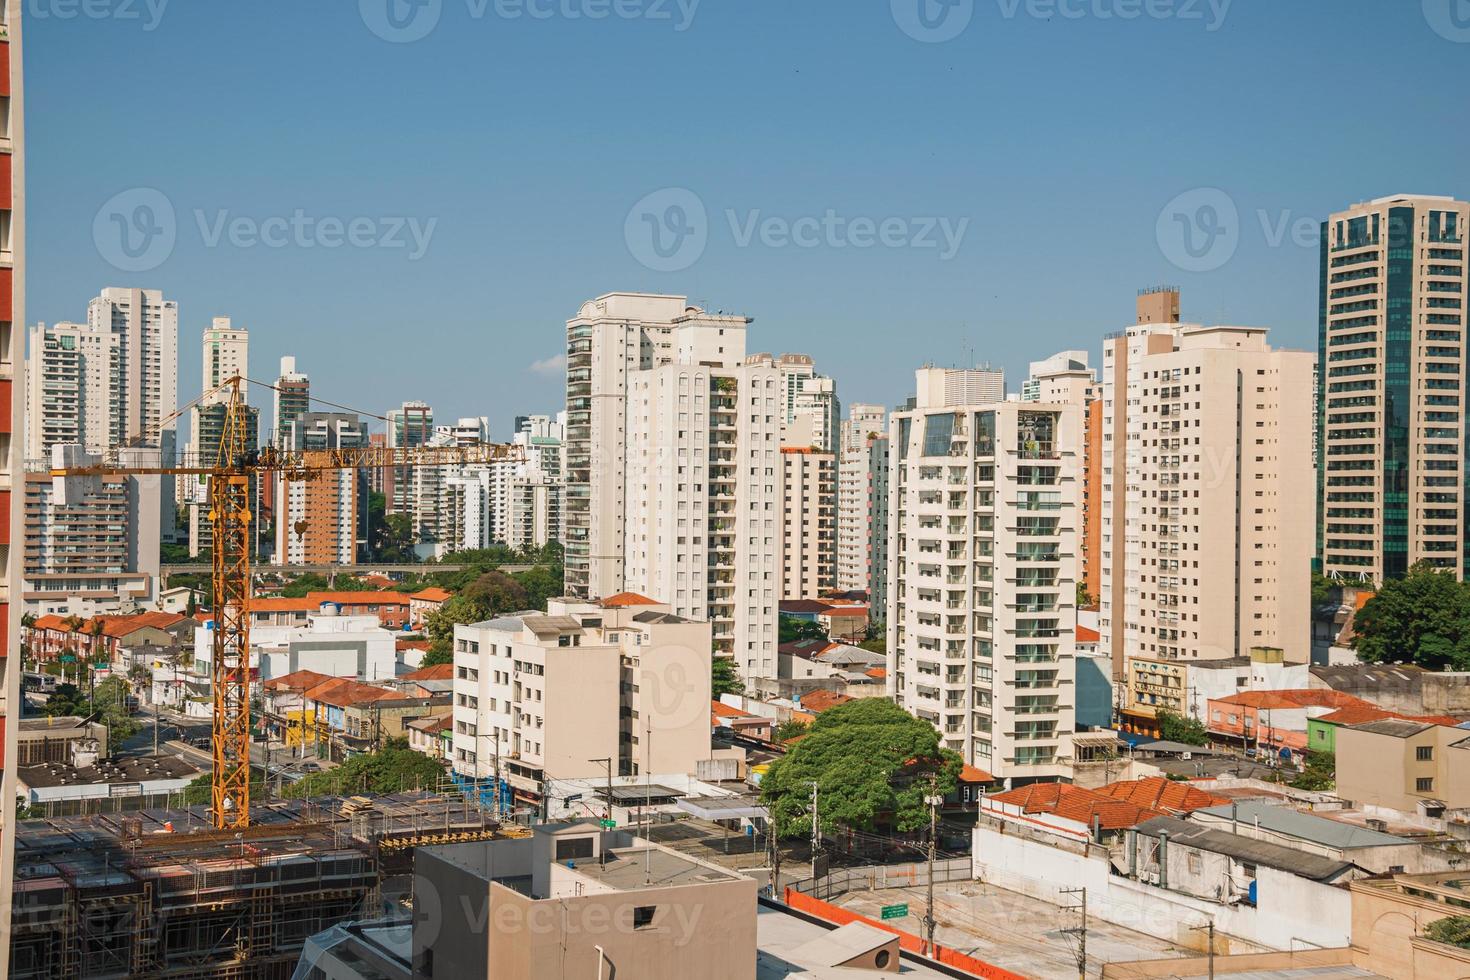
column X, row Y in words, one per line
column 160, row 893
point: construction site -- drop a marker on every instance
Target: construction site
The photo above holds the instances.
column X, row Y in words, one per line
column 163, row 893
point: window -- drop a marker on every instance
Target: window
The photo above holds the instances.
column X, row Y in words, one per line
column 1424, row 753
column 1424, row 785
column 572, row 848
column 643, row 916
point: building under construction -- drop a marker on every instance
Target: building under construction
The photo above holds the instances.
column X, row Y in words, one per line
column 160, row 893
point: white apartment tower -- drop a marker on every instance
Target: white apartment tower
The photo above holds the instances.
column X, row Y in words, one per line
column 984, row 542
column 866, row 425
column 1206, row 536
column 703, row 488
column 226, row 354
column 146, row 327
column 610, row 338
column 1391, row 400
column 808, row 523
column 72, row 373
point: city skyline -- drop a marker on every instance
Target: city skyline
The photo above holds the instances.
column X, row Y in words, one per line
column 495, row 277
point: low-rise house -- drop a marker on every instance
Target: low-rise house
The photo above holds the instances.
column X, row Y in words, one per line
column 427, row 681
column 1185, row 688
column 353, row 717
column 1163, row 795
column 60, row 789
column 1274, row 720
column 1390, row 917
column 391, row 608
column 432, row 735
column 102, row 638
column 1403, row 688
column 1064, row 811
column 1410, row 766
column 40, row 741
column 339, row 646
column 825, row 660
column 1322, row 731
column 839, row 619
column 424, row 602
column 741, row 722
column 1372, row 850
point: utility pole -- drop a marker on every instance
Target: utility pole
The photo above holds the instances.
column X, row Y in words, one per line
column 933, row 799
column 816, row 835
column 1209, row 929
column 1080, row 932
column 607, row 822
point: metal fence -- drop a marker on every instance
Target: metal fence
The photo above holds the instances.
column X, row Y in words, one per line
column 872, row 877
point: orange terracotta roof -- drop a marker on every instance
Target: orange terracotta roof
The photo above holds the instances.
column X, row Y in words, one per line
column 283, row 604
column 1302, row 698
column 359, row 598
column 624, row 599
column 411, row 645
column 1165, row 795
column 1360, row 714
column 969, row 774
column 119, row 626
column 878, row 673
column 51, row 622
column 819, row 701
column 380, row 581
column 1075, row 803
column 297, row 681
column 1085, row 635
column 343, row 692
column 438, row 672
column 721, row 710
column 432, row 594
column 846, row 611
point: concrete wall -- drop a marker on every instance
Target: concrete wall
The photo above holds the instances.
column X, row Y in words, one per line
column 1292, row 910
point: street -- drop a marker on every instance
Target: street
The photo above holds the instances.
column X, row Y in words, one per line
column 188, row 738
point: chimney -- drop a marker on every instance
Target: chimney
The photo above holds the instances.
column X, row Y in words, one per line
column 1163, row 859
column 1234, row 817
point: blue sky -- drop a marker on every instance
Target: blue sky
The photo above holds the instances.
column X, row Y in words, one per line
column 518, row 146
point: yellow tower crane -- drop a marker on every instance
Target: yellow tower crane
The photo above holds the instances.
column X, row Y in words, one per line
column 229, row 475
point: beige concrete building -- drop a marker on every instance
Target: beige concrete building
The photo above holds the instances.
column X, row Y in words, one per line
column 1391, row 360
column 1390, row 916
column 540, row 696
column 984, row 511
column 1206, row 448
column 1405, row 765
column 808, row 523
column 703, row 507
column 866, row 426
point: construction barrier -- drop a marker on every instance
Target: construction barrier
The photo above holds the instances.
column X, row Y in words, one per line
column 906, row 940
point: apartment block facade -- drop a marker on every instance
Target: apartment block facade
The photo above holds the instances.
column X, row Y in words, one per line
column 984, row 541
column 322, row 521
column 145, row 383
column 808, row 523
column 1066, row 378
column 703, row 495
column 547, row 696
column 1391, row 366
column 1205, row 539
column 865, row 426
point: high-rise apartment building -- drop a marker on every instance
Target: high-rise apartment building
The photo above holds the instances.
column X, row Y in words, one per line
column 703, row 488
column 146, row 377
column 984, row 540
column 1205, row 547
column 1066, row 378
column 1391, row 379
column 411, row 424
column 961, row 386
column 611, row 337
column 12, row 404
column 291, row 399
column 808, row 523
column 866, row 425
column 323, row 520
column 226, row 351
column 811, row 410
column 73, row 375
column 878, row 481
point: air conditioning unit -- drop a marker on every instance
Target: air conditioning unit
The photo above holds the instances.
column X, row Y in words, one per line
column 1186, row 756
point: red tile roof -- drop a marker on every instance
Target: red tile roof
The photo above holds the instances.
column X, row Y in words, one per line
column 344, row 692
column 1165, row 795
column 969, row 774
column 623, row 599
column 819, row 701
column 1076, row 803
column 846, row 611
column 722, row 710
column 284, row 604
column 432, row 594
column 411, row 645
column 438, row 672
column 878, row 673
column 1359, row 714
column 359, row 598
column 1085, row 635
column 1309, row 698
column 299, row 680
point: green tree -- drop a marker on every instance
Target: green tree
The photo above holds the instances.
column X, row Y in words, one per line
column 793, row 630
column 393, row 768
column 1178, row 728
column 871, row 761
column 791, row 729
column 390, row 536
column 1322, row 590
column 67, row 700
column 1454, row 930
column 1422, row 618
column 1084, row 598
column 540, row 583
column 723, row 678
column 437, row 654
column 492, row 594
column 1319, row 774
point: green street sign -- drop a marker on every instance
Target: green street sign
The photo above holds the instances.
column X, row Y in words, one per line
column 68, row 658
column 608, row 824
column 895, row 912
